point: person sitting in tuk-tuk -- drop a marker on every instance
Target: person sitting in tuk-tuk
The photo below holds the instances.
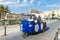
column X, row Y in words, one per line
column 32, row 18
column 42, row 20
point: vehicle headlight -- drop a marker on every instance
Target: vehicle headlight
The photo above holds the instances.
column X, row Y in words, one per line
column 30, row 25
column 35, row 21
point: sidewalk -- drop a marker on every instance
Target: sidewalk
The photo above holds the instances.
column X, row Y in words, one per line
column 9, row 29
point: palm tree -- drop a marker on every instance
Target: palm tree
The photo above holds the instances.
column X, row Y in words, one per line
column 3, row 10
column 6, row 9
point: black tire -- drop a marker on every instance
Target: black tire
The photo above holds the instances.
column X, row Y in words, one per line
column 43, row 30
column 24, row 34
column 44, row 27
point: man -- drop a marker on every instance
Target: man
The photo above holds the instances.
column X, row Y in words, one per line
column 42, row 21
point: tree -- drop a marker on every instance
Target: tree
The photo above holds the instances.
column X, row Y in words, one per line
column 6, row 9
column 3, row 10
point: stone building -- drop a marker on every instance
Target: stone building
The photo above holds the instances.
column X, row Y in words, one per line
column 34, row 11
column 57, row 13
column 47, row 14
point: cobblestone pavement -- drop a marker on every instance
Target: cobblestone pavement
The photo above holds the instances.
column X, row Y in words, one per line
column 47, row 35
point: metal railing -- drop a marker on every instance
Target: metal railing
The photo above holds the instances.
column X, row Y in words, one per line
column 8, row 22
column 5, row 29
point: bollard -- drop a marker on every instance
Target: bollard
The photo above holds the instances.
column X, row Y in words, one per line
column 20, row 27
column 56, row 36
column 5, row 30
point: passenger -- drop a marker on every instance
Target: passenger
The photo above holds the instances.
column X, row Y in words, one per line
column 32, row 18
column 39, row 19
column 43, row 21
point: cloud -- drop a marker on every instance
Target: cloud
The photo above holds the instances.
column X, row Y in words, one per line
column 24, row 3
column 17, row 1
column 8, row 2
column 20, row 5
column 1, row 0
column 53, row 5
column 39, row 2
column 31, row 1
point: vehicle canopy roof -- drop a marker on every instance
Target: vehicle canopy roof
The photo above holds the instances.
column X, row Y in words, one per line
column 28, row 16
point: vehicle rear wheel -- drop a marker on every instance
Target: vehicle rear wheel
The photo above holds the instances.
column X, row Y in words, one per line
column 43, row 30
column 24, row 34
column 44, row 27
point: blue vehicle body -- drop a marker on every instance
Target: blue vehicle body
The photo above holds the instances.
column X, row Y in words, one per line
column 26, row 28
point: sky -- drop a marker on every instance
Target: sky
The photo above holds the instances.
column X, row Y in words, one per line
column 21, row 6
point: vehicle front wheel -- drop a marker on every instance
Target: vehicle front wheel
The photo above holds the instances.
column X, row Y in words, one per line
column 24, row 34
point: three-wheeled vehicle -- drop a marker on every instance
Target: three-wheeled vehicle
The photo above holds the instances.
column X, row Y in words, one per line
column 31, row 25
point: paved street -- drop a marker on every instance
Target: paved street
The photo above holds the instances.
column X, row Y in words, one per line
column 47, row 35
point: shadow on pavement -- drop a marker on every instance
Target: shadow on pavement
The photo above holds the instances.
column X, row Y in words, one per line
column 47, row 28
column 40, row 32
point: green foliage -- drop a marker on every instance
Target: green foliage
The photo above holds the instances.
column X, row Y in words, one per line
column 3, row 10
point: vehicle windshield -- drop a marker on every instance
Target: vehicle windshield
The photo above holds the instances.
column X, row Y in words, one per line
column 27, row 17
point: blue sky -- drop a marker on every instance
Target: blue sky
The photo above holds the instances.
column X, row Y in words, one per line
column 20, row 6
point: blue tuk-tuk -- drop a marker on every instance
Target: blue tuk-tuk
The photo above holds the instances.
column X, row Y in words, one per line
column 30, row 26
